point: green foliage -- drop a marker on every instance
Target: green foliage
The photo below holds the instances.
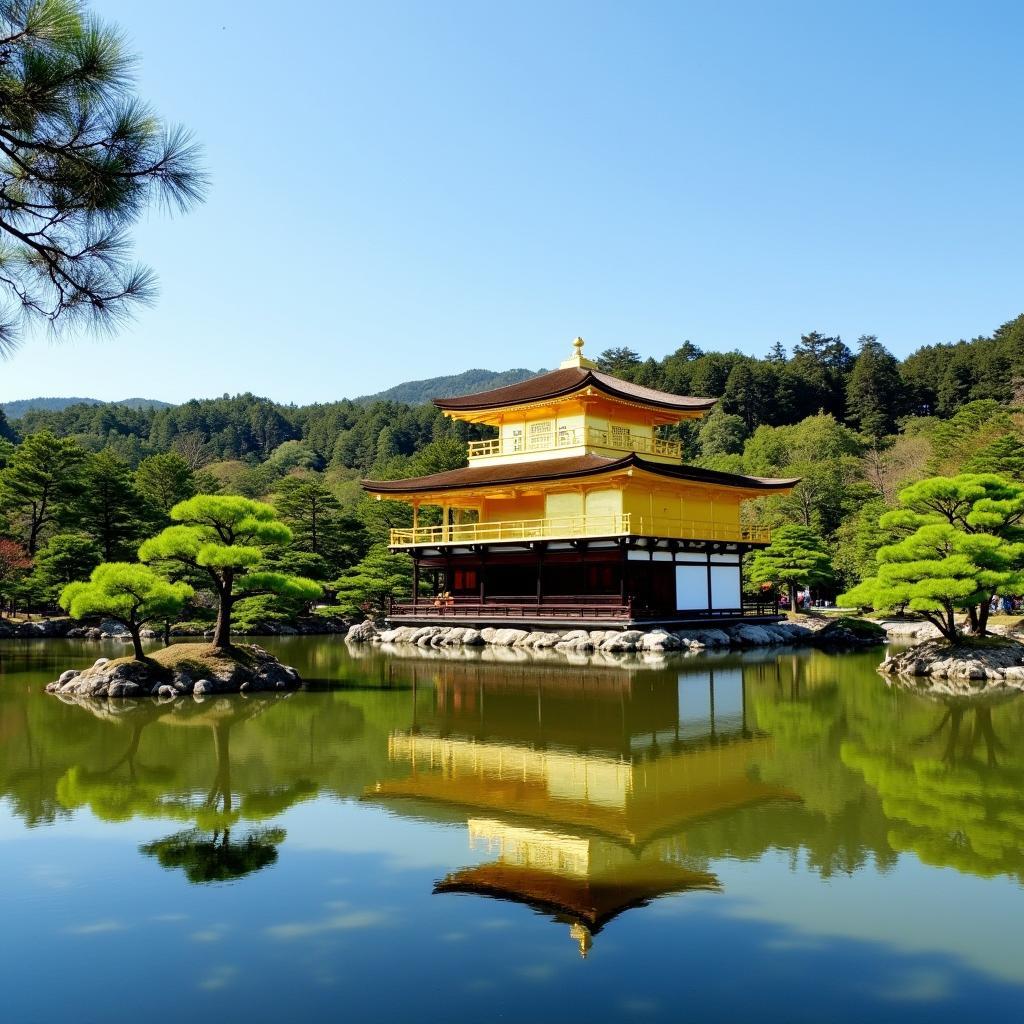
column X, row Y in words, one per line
column 63, row 559
column 795, row 558
column 83, row 158
column 227, row 539
column 367, row 587
column 109, row 508
column 874, row 390
column 318, row 524
column 163, row 480
column 39, row 484
column 128, row 593
column 1004, row 456
column 721, row 434
column 966, row 545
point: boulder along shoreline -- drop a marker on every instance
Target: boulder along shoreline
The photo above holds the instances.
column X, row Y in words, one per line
column 829, row 633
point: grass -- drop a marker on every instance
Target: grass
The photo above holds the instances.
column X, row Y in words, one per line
column 192, row 658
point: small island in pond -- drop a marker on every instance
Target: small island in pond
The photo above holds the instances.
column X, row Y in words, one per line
column 180, row 670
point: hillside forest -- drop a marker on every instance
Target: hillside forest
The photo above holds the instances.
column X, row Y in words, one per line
column 88, row 482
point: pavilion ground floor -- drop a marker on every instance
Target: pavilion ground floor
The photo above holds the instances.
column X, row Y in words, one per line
column 593, row 583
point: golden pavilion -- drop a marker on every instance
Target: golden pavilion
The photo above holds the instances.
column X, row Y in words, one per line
column 577, row 808
column 577, row 509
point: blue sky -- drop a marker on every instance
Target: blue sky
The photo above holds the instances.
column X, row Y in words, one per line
column 408, row 189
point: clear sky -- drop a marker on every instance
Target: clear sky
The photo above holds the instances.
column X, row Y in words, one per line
column 408, row 189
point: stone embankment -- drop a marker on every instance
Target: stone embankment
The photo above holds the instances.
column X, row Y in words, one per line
column 181, row 670
column 68, row 629
column 969, row 666
column 837, row 633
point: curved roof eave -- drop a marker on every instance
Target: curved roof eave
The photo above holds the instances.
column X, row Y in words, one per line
column 579, row 466
column 561, row 383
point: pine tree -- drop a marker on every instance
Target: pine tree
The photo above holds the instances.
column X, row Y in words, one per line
column 795, row 558
column 127, row 593
column 874, row 390
column 41, row 479
column 225, row 541
column 81, row 158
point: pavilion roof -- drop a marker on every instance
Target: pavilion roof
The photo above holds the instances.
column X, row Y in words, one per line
column 497, row 474
column 566, row 381
column 591, row 901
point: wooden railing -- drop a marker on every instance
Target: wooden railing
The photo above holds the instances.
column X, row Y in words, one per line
column 514, row 529
column 591, row 606
column 593, row 437
column 568, row 527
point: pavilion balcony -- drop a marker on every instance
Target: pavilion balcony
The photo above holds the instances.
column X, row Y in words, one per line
column 573, row 527
column 614, row 440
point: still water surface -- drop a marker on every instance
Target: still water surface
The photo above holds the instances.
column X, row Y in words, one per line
column 770, row 837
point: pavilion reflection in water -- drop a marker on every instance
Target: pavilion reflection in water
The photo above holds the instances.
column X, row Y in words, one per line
column 579, row 786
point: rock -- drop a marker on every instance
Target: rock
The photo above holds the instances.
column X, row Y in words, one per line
column 966, row 666
column 164, row 674
column 108, row 627
column 126, row 688
column 622, row 642
column 472, row 638
column 849, row 632
column 660, row 640
column 507, row 637
column 361, row 632
column 488, row 634
column 66, row 677
column 750, row 636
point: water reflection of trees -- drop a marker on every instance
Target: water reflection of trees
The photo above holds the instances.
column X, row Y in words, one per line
column 952, row 787
column 827, row 762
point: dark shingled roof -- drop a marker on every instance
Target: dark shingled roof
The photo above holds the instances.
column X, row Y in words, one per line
column 592, row 901
column 559, row 383
column 559, row 469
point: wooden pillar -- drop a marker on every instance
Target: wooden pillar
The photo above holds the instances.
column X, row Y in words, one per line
column 623, row 566
column 415, row 580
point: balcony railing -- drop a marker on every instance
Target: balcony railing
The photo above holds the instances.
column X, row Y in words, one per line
column 568, row 527
column 555, row 439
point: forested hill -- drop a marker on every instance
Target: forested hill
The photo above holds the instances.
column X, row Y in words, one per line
column 856, row 424
column 414, row 392
column 15, row 410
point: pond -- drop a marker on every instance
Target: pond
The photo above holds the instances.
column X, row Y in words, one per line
column 775, row 835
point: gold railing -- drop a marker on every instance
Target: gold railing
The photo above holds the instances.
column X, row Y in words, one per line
column 561, row 527
column 556, row 439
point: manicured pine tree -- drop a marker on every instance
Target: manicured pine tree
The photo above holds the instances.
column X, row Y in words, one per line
column 964, row 543
column 225, row 541
column 128, row 593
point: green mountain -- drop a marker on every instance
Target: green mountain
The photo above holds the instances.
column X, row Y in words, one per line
column 17, row 409
column 415, row 392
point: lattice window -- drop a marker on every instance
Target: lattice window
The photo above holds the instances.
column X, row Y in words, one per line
column 540, row 434
column 621, row 437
